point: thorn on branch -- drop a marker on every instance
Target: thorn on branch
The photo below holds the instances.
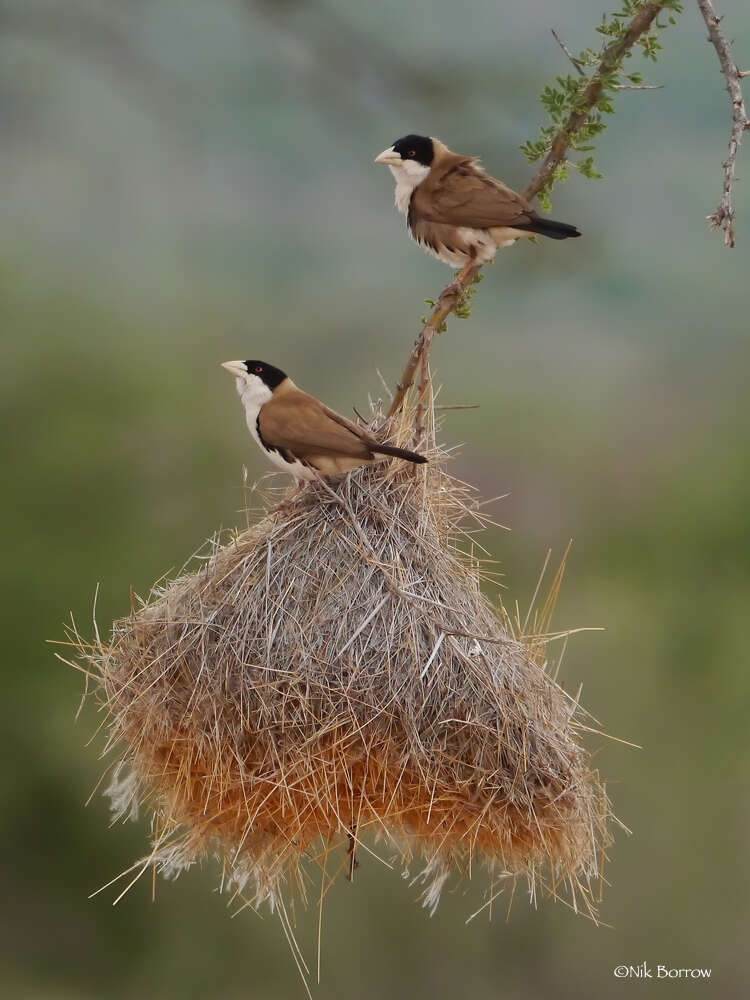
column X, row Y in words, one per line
column 568, row 53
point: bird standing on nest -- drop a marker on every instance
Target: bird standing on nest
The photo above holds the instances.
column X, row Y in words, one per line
column 454, row 210
column 300, row 434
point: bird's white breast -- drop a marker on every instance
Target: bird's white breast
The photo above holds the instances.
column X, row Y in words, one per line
column 254, row 394
column 408, row 175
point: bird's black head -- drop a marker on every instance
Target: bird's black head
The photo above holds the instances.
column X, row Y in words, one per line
column 415, row 147
column 266, row 373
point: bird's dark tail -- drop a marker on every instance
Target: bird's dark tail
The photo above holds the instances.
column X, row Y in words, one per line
column 548, row 227
column 408, row 456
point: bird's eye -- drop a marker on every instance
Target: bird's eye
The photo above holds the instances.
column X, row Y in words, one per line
column 412, row 152
column 258, row 369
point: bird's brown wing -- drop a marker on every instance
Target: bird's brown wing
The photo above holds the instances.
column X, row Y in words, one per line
column 301, row 425
column 466, row 196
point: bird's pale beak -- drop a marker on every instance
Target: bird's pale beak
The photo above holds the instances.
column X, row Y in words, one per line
column 236, row 368
column 389, row 157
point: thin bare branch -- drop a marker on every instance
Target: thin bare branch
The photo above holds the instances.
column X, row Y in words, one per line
column 723, row 216
column 638, row 86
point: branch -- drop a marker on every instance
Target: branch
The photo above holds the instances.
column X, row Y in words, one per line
column 449, row 299
column 454, row 295
column 611, row 59
column 723, row 217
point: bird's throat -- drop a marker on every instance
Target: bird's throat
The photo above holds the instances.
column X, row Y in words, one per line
column 408, row 176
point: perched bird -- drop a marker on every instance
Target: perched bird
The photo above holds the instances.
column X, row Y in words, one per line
column 299, row 433
column 456, row 211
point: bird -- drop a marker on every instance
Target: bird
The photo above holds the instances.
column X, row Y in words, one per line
column 298, row 432
column 454, row 210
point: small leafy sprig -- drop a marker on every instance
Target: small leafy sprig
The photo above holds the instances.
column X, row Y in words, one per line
column 577, row 105
column 462, row 308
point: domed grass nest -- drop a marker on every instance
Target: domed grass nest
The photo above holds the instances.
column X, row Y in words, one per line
column 332, row 680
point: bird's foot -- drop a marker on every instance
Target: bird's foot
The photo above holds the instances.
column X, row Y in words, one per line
column 455, row 289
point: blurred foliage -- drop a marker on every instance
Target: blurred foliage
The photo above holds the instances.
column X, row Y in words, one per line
column 150, row 232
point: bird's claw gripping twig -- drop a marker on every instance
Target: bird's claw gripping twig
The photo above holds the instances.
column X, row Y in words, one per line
column 455, row 288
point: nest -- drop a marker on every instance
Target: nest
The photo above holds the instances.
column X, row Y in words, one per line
column 332, row 681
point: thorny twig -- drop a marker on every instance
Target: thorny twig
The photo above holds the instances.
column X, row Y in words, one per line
column 723, row 217
column 611, row 58
column 449, row 298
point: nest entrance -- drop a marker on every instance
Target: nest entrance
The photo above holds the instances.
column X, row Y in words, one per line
column 334, row 672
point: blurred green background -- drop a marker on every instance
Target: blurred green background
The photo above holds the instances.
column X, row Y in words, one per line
column 185, row 183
